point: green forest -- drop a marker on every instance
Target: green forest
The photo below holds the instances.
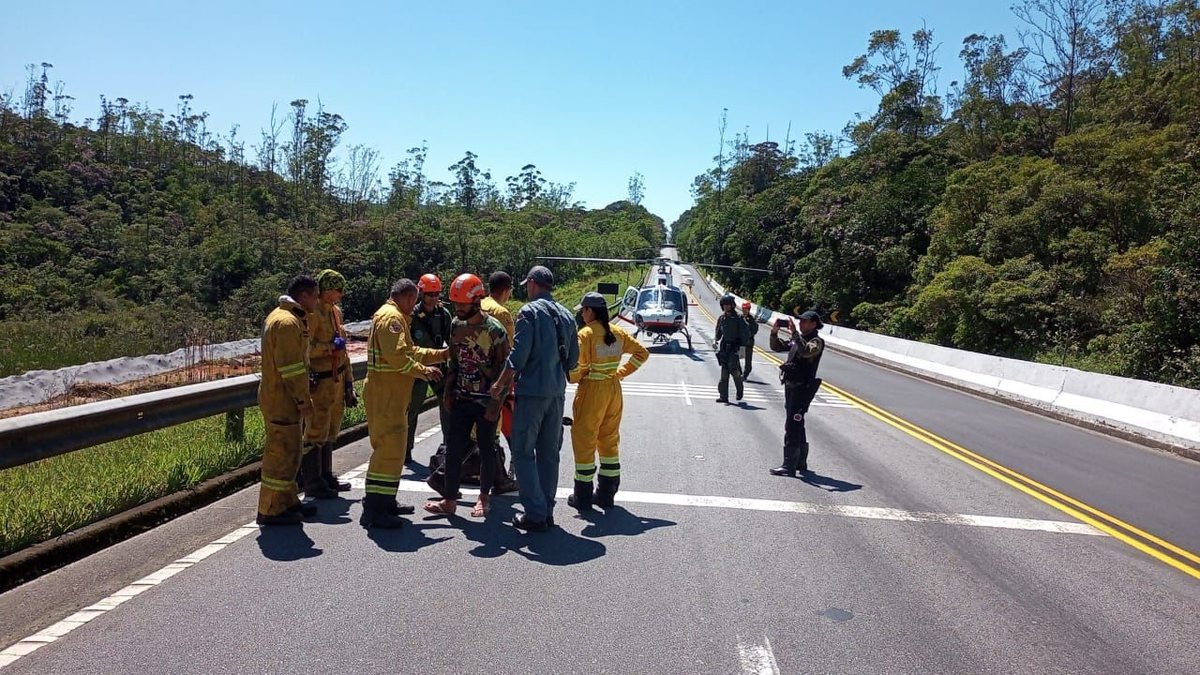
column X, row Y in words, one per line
column 1043, row 205
column 138, row 231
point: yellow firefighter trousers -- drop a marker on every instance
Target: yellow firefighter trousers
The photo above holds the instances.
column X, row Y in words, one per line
column 281, row 459
column 597, row 428
column 387, row 397
column 329, row 402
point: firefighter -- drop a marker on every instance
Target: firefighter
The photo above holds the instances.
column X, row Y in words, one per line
column 733, row 335
column 392, row 364
column 329, row 378
column 284, row 401
column 430, row 329
column 596, row 429
column 800, row 385
column 752, row 324
column 478, row 351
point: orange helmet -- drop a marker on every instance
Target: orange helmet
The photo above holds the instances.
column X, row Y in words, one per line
column 746, row 306
column 430, row 283
column 466, row 288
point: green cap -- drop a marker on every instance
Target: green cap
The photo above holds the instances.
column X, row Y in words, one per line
column 331, row 280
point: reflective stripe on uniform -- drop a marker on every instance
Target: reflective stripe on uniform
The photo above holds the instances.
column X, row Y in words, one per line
column 382, row 483
column 278, row 485
column 636, row 362
column 375, row 365
column 292, row 369
column 585, row 472
column 610, row 467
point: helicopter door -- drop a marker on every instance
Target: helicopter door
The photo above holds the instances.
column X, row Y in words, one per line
column 629, row 302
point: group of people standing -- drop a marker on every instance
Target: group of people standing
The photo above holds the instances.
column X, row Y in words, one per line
column 489, row 370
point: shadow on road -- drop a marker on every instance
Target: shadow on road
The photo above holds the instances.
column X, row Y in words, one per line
column 674, row 348
column 618, row 522
column 495, row 537
column 333, row 511
column 286, row 544
column 828, row 484
column 408, row 539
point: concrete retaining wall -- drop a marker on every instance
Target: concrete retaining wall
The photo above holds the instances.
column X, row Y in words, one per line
column 1164, row 414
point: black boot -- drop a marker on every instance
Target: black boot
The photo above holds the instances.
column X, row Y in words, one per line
column 310, row 468
column 802, row 458
column 327, row 474
column 788, row 468
column 285, row 518
column 582, row 497
column 378, row 512
column 606, row 490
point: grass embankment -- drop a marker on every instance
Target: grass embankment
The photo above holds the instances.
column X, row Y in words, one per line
column 42, row 500
column 45, row 499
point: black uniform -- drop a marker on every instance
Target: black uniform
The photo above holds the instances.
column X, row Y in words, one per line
column 752, row 324
column 429, row 329
column 800, row 383
column 732, row 335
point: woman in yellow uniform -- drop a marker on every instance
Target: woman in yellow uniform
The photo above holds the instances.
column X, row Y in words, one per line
column 598, row 402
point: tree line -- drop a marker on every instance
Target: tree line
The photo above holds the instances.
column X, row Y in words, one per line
column 137, row 230
column 1045, row 205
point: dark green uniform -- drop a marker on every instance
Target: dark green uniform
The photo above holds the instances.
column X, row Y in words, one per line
column 732, row 337
column 429, row 329
column 752, row 324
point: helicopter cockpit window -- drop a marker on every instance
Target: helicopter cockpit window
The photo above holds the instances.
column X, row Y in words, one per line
column 659, row 300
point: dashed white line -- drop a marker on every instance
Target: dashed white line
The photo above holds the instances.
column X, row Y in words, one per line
column 686, row 397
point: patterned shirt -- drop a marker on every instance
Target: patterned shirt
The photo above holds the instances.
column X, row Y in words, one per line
column 477, row 356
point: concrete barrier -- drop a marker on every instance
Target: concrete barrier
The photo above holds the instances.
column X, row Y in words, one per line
column 1166, row 416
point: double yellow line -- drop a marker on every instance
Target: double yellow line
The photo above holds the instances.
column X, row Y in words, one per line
column 1153, row 546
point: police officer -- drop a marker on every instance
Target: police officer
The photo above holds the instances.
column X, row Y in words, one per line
column 732, row 335
column 800, row 384
column 430, row 329
column 752, row 324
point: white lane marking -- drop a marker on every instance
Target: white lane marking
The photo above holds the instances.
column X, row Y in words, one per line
column 58, row 630
column 757, row 659
column 686, row 397
column 779, row 506
column 62, row 628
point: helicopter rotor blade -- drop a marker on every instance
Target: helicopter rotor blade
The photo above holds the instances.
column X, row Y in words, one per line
column 732, row 267
column 605, row 260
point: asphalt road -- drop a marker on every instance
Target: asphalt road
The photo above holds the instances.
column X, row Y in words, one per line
column 894, row 556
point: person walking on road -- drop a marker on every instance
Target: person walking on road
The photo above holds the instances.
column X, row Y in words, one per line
column 392, row 364
column 599, row 403
column 431, row 330
column 800, row 384
column 478, row 351
column 732, row 337
column 329, row 380
column 752, row 324
column 284, row 401
column 545, row 349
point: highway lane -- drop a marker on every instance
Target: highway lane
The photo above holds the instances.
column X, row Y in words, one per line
column 1152, row 490
column 893, row 557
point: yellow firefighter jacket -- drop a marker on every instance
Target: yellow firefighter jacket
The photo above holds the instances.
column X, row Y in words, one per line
column 284, row 385
column 599, row 361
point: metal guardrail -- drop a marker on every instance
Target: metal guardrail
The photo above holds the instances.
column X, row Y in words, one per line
column 37, row 436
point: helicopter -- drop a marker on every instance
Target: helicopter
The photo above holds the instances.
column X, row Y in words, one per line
column 659, row 307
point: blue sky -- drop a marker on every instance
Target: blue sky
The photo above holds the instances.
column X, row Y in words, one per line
column 589, row 92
